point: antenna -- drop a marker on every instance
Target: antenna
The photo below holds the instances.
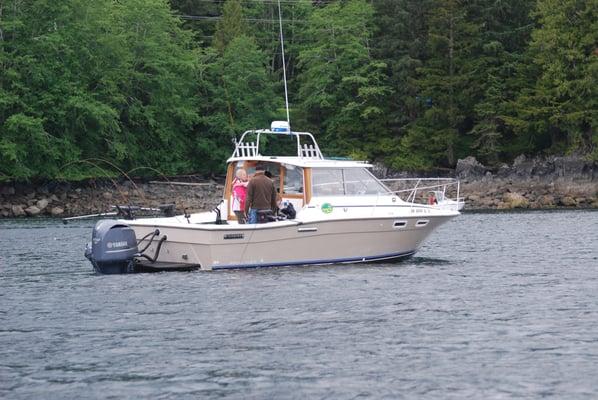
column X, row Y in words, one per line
column 284, row 67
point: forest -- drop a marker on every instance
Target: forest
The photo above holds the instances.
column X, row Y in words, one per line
column 152, row 87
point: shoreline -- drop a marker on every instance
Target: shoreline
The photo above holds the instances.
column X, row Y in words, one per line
column 61, row 200
column 536, row 183
column 532, row 184
column 483, row 195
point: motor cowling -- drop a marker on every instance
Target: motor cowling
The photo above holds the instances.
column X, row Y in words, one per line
column 113, row 247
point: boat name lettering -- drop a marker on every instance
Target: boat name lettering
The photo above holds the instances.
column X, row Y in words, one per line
column 234, row 236
column 114, row 245
column 420, row 210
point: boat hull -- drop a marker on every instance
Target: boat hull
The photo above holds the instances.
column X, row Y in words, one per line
column 291, row 243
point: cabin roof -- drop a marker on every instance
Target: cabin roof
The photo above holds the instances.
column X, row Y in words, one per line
column 305, row 162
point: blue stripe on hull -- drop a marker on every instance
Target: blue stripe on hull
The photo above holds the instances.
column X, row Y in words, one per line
column 320, row 262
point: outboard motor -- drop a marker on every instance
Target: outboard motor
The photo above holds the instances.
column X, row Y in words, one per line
column 113, row 248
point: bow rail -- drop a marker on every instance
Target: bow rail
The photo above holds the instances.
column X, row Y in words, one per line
column 445, row 192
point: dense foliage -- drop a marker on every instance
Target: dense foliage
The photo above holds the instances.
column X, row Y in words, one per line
column 86, row 87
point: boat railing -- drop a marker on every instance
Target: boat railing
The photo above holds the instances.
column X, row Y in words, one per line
column 246, row 150
column 445, row 191
column 307, row 147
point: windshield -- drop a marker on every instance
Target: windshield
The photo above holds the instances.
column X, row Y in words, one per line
column 345, row 182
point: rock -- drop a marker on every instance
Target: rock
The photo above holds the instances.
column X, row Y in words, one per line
column 469, row 168
column 539, row 169
column 503, row 171
column 546, row 201
column 519, row 160
column 5, row 213
column 515, row 200
column 524, row 168
column 380, row 170
column 8, row 190
column 572, row 167
column 107, row 196
column 42, row 204
column 32, row 211
column 54, row 199
column 568, row 201
column 56, row 211
column 502, row 206
column 17, row 210
column 486, row 203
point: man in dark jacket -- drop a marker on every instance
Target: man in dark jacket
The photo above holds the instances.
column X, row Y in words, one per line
column 261, row 195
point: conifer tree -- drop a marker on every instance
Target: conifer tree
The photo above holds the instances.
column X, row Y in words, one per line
column 499, row 52
column 342, row 86
column 230, row 25
column 241, row 94
column 559, row 111
column 445, row 91
column 400, row 41
column 198, row 17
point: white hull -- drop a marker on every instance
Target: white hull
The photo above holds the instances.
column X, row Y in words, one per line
column 287, row 243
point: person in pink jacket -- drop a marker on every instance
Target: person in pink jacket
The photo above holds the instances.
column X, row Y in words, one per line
column 239, row 195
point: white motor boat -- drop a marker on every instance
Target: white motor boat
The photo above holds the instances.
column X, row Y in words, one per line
column 344, row 214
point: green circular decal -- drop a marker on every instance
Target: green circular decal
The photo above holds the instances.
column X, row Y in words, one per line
column 327, row 208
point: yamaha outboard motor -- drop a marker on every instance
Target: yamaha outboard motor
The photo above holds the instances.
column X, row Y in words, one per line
column 113, row 248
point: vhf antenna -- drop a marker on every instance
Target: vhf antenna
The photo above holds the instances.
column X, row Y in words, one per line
column 284, row 67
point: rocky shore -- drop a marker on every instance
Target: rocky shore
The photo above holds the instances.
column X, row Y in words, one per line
column 530, row 183
column 59, row 199
column 569, row 182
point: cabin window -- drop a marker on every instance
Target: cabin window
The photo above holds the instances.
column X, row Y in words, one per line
column 327, row 182
column 359, row 181
column 293, row 180
column 272, row 170
column 345, row 181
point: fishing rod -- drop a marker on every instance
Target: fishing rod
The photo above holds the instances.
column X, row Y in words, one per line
column 78, row 217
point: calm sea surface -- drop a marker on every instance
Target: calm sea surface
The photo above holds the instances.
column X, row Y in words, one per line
column 493, row 306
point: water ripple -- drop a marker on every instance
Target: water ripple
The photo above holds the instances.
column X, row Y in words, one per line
column 493, row 306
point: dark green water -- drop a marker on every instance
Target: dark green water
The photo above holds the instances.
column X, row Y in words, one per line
column 493, row 306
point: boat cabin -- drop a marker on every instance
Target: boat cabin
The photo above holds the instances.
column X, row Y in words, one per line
column 301, row 176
